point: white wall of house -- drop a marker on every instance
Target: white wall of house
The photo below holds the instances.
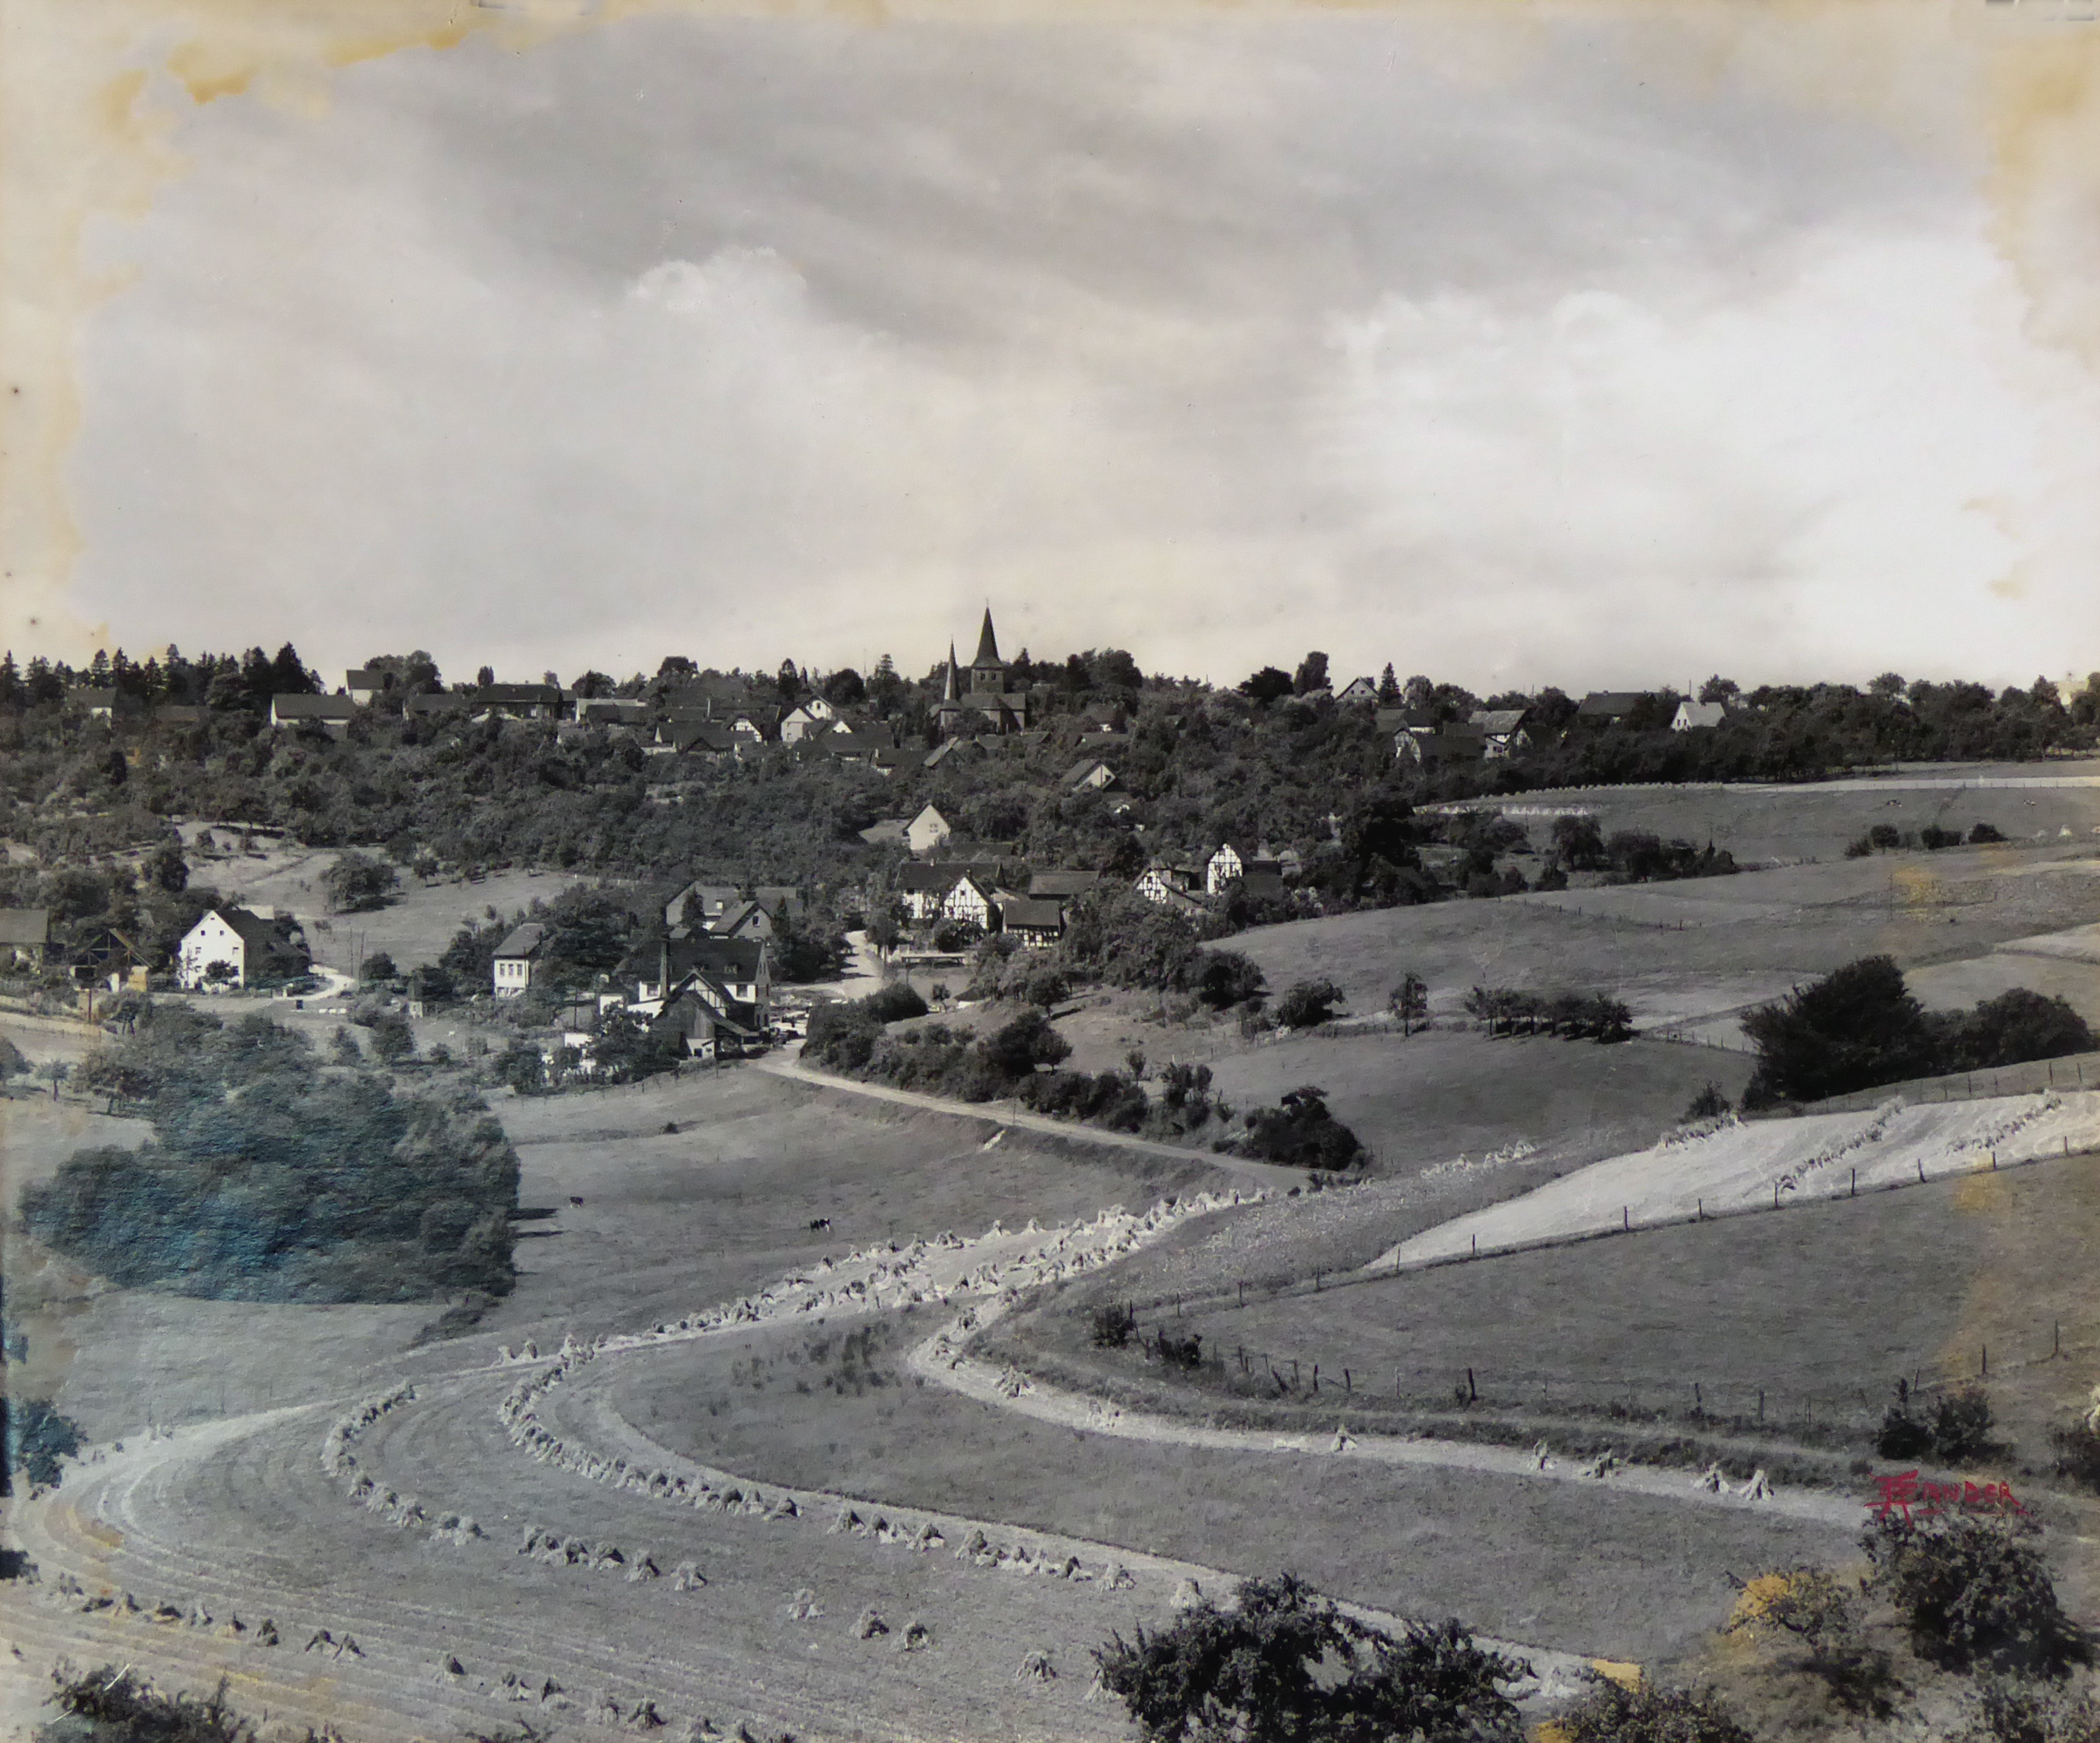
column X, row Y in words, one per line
column 514, row 975
column 210, row 941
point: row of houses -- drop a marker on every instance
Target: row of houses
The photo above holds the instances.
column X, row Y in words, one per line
column 1495, row 735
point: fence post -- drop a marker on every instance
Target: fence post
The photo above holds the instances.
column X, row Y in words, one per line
column 1625, row 1217
column 1760, row 1406
column 1294, row 1370
column 1984, row 1351
column 1316, row 1379
column 2056, row 1346
column 1348, row 1385
column 1855, row 1182
column 1472, row 1393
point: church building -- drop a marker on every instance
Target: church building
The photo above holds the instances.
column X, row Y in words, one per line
column 977, row 701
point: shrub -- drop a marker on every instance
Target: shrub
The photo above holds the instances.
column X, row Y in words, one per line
column 1859, row 848
column 1984, row 834
column 894, row 1003
column 1302, row 1133
column 116, row 1706
column 953, row 935
column 1613, row 1712
column 1970, row 1590
column 1901, row 1435
column 37, row 1437
column 2078, row 1454
column 376, row 966
column 392, row 1039
column 842, row 1035
column 1283, row 1662
column 522, row 1068
column 2017, row 1026
column 1709, row 1104
column 356, row 883
column 1961, row 1426
column 1884, row 837
column 1115, row 1324
column 343, row 1046
column 2023, row 1712
column 1307, row 1004
column 1932, row 836
column 1186, row 1352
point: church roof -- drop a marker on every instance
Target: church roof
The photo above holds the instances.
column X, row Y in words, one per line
column 948, row 693
column 987, row 644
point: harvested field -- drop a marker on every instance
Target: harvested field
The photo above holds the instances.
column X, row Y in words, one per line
column 1746, row 1166
column 1560, row 1566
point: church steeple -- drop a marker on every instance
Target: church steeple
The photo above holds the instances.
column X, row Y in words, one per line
column 987, row 646
column 948, row 690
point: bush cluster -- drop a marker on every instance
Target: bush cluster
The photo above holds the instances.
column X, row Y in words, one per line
column 1300, row 1132
column 35, row 1437
column 1954, row 1429
column 268, row 1177
column 1971, row 1590
column 1885, row 838
column 1859, row 1027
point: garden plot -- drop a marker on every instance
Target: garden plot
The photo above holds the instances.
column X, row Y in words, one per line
column 1738, row 1166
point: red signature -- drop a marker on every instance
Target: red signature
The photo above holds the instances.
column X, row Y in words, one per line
column 1904, row 1493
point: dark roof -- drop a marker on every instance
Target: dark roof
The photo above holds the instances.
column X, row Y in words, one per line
column 1262, row 881
column 939, row 876
column 435, row 701
column 523, row 940
column 735, row 916
column 179, row 714
column 702, row 735
column 1497, row 722
column 313, row 707
column 25, row 925
column 1081, row 769
column 770, row 896
column 884, row 831
column 523, row 695
column 90, row 698
column 254, row 930
column 611, row 707
column 1030, row 910
column 1064, row 883
column 730, row 958
column 988, row 644
column 1609, row 704
column 365, row 678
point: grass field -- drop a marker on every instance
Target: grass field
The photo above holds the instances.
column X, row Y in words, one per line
column 1823, row 1307
column 1815, row 821
column 1544, row 1562
column 1677, row 952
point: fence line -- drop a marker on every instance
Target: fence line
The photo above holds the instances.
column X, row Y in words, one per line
column 1734, row 1403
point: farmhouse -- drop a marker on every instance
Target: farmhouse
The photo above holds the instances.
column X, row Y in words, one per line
column 1363, row 691
column 1170, row 881
column 96, row 703
column 1503, row 731
column 1230, row 863
column 518, row 701
column 1690, row 713
column 231, row 941
column 629, row 711
column 332, row 713
column 697, row 904
column 1038, row 922
column 731, row 977
column 1607, row 707
column 514, row 959
column 25, row 936
column 435, row 704
column 968, row 899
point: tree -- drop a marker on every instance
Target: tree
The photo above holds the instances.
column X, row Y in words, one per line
column 485, row 677
column 392, row 1039
column 376, row 966
column 288, row 675
column 1284, row 1663
column 357, row 883
column 1016, row 1048
column 1389, row 689
column 1645, row 1712
column 1224, row 978
column 1971, row 1589
column 1312, row 673
column 54, row 1072
column 1410, row 1002
column 343, row 1045
column 1720, row 689
column 1307, row 1004
column 1579, row 842
column 1270, row 684
column 168, row 868
column 1851, row 1030
column 844, row 688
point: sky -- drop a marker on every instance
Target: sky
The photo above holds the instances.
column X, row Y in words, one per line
column 1514, row 355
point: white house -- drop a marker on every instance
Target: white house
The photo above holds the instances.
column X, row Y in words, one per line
column 1364, row 690
column 1165, row 882
column 1690, row 713
column 927, row 831
column 970, row 900
column 232, row 936
column 814, row 715
column 332, row 713
column 514, row 957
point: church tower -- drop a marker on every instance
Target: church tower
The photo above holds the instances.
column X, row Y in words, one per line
column 987, row 671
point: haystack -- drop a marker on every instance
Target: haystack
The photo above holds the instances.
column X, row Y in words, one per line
column 803, row 1607
column 686, row 1577
column 929, row 1537
column 1036, row 1667
column 847, row 1520
column 1187, row 1595
column 869, row 1626
column 783, row 1507
column 646, row 1718
column 644, row 1567
column 1757, row 1488
column 266, row 1632
column 1119, row 1577
column 452, row 1670
column 918, row 1638
column 1712, row 1479
column 1541, row 1458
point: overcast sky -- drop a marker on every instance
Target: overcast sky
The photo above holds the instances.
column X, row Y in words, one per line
column 749, row 340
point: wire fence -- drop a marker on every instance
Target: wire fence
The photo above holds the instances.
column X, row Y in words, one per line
column 1361, row 1383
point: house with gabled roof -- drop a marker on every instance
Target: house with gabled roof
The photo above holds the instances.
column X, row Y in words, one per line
column 232, row 936
column 332, row 713
column 1502, row 729
column 1359, row 691
column 809, row 717
column 25, row 937
column 516, row 956
column 927, row 831
column 1607, row 707
column 1691, row 715
column 1089, row 774
column 973, row 901
column 731, row 977
column 1060, row 884
column 96, row 701
column 1231, row 862
column 1037, row 921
